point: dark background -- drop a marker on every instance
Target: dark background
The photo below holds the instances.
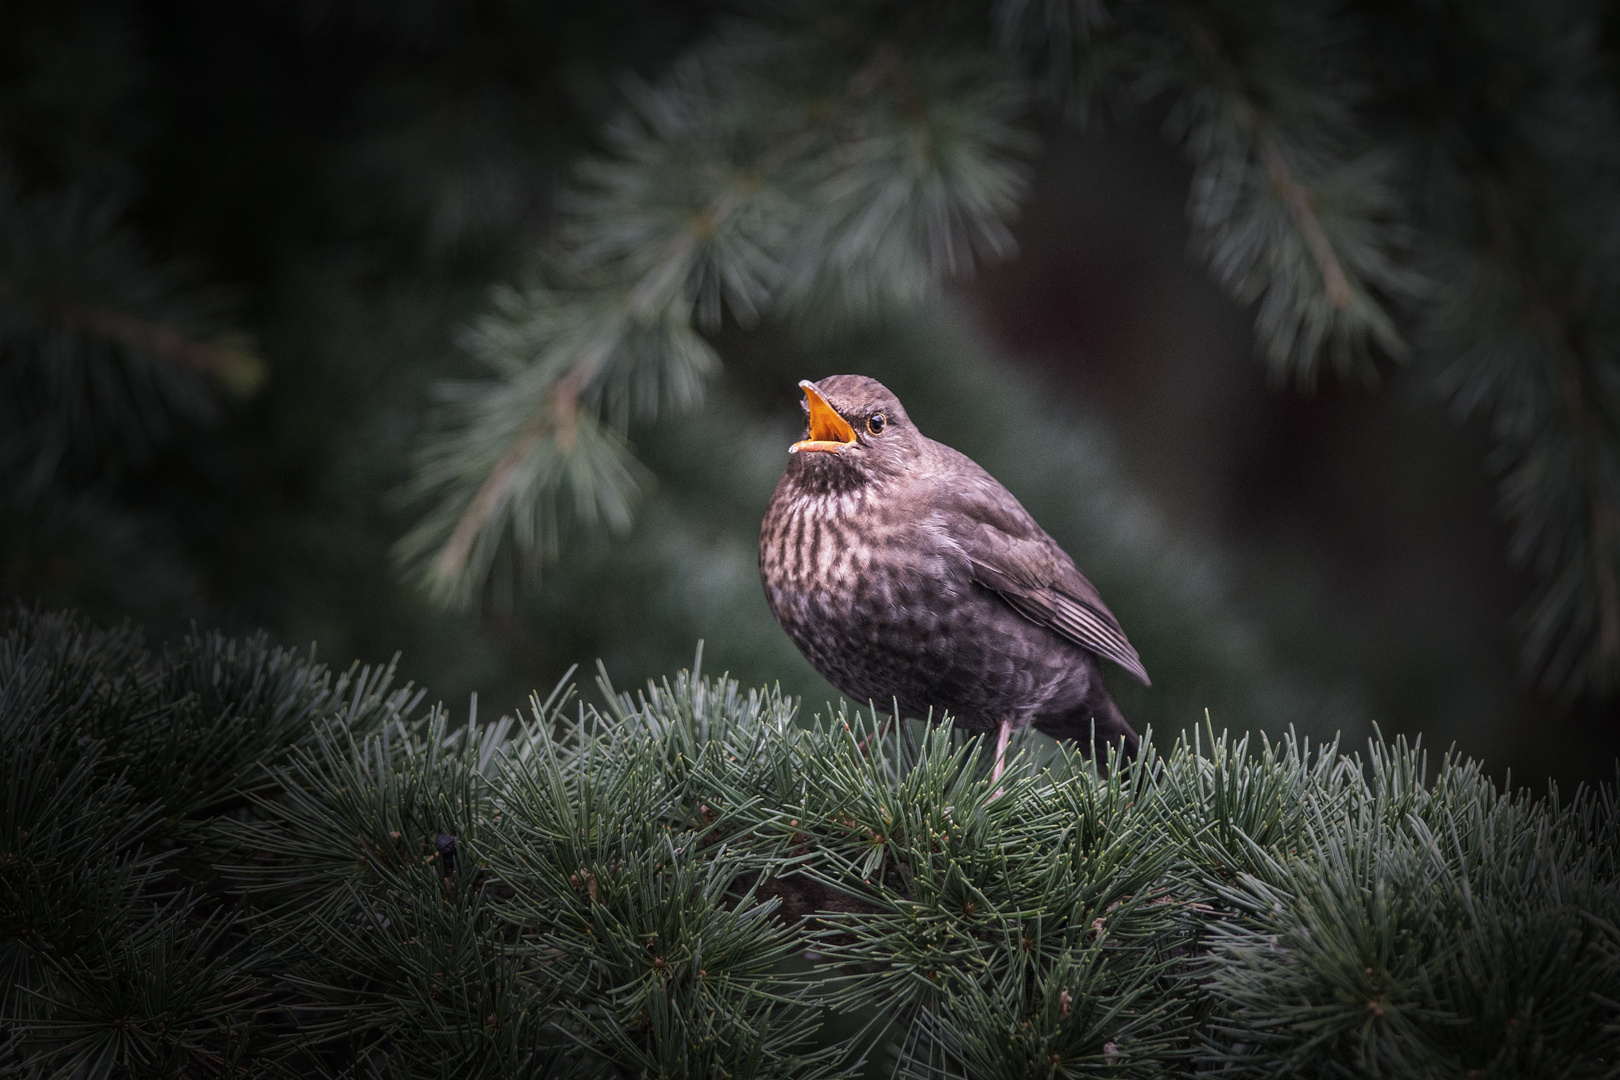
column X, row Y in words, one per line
column 357, row 176
column 1360, row 519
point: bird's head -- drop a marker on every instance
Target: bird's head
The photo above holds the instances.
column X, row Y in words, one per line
column 853, row 425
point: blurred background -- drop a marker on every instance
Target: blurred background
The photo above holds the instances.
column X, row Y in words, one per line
column 241, row 248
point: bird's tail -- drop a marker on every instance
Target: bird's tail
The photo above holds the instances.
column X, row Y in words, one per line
column 1096, row 725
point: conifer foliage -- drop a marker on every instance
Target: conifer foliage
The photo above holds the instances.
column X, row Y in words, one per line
column 225, row 859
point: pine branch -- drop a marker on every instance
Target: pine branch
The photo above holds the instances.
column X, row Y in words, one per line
column 1310, row 226
column 1293, row 204
column 1524, row 234
column 772, row 170
column 104, row 345
column 1424, row 928
column 238, row 369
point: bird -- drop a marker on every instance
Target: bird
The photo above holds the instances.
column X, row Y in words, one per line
column 910, row 577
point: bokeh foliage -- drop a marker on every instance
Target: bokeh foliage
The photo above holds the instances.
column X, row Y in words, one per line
column 695, row 880
column 825, row 161
column 304, row 299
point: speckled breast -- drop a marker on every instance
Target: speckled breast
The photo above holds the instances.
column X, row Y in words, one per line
column 871, row 601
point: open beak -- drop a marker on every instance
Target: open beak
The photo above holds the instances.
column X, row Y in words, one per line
column 828, row 430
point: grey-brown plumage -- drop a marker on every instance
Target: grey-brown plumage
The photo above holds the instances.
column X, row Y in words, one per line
column 906, row 573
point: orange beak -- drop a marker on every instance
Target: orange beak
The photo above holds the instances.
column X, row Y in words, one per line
column 828, row 430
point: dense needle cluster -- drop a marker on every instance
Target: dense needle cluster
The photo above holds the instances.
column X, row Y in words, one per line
column 225, row 859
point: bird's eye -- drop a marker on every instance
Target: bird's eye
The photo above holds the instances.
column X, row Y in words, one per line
column 875, row 423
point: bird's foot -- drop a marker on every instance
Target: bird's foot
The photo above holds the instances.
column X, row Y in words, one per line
column 883, row 729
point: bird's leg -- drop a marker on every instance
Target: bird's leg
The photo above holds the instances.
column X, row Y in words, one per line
column 883, row 729
column 1004, row 734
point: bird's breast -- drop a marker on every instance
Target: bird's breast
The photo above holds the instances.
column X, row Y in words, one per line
column 837, row 550
column 887, row 609
column 859, row 587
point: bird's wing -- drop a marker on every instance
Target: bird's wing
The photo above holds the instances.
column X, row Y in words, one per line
column 1012, row 556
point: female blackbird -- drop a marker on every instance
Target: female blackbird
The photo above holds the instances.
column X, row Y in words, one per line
column 906, row 574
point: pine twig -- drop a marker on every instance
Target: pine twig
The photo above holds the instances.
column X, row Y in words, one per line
column 1310, row 226
column 242, row 371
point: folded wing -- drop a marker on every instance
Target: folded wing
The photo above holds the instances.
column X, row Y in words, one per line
column 1013, row 557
